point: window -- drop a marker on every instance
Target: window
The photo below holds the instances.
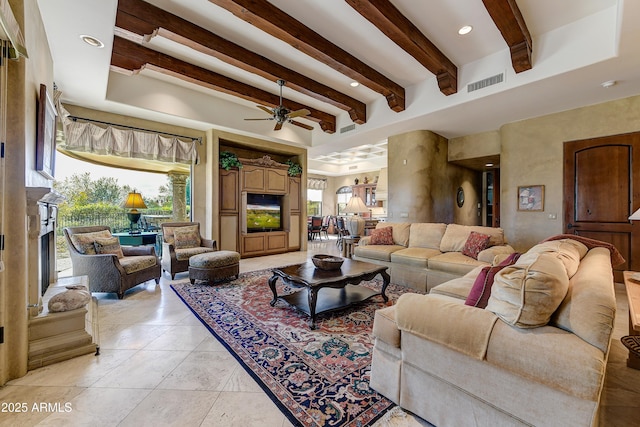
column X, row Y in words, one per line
column 314, row 202
column 343, row 195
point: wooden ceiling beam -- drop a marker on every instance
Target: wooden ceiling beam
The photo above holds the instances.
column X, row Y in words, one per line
column 140, row 21
column 129, row 57
column 508, row 18
column 270, row 19
column 390, row 21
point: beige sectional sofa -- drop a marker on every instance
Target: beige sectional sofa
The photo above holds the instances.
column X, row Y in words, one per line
column 536, row 355
column 427, row 254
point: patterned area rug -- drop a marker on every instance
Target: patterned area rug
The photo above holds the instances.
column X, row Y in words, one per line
column 316, row 377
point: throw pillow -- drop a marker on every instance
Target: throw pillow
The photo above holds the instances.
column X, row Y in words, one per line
column 84, row 242
column 476, row 242
column 186, row 237
column 481, row 289
column 108, row 245
column 528, row 292
column 382, row 236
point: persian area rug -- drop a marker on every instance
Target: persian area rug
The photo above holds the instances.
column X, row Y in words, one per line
column 316, row 377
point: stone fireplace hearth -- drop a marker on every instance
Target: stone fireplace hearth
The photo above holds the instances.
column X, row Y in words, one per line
column 42, row 211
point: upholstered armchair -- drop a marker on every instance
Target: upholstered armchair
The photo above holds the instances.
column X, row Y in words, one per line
column 180, row 241
column 110, row 267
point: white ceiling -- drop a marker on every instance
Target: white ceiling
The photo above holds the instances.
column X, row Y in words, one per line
column 577, row 45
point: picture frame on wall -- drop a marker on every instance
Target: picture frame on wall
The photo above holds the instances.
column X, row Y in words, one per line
column 531, row 198
column 46, row 134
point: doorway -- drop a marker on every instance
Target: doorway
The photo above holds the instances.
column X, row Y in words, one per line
column 601, row 191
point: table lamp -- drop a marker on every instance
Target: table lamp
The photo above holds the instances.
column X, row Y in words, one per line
column 134, row 202
column 355, row 224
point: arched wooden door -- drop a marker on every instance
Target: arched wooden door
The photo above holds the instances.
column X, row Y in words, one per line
column 601, row 191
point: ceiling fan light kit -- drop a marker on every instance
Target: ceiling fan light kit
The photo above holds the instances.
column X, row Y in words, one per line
column 282, row 114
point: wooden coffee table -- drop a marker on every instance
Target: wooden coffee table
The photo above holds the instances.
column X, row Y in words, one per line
column 340, row 288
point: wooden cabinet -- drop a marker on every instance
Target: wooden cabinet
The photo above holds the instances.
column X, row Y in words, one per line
column 294, row 195
column 257, row 244
column 259, row 179
column 367, row 192
column 229, row 191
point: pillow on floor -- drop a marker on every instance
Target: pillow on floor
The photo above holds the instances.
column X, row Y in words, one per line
column 382, row 236
column 481, row 289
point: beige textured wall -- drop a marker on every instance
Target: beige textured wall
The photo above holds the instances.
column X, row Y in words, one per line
column 423, row 184
column 532, row 154
column 24, row 78
column 478, row 145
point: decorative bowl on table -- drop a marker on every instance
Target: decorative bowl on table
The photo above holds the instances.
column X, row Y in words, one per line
column 327, row 262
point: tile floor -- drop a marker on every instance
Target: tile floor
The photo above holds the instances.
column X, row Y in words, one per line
column 159, row 366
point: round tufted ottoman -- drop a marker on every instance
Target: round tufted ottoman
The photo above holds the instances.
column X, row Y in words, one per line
column 214, row 265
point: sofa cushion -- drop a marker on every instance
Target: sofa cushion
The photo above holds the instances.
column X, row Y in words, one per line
column 454, row 263
column 570, row 252
column 108, row 245
column 476, row 242
column 384, row 326
column 481, row 289
column 400, row 231
column 382, row 236
column 186, row 253
column 457, row 288
column 527, row 293
column 456, row 236
column 186, row 237
column 84, row 242
column 131, row 264
column 589, row 308
column 426, row 235
column 416, row 257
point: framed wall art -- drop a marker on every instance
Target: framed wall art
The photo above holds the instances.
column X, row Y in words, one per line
column 531, row 198
column 46, row 134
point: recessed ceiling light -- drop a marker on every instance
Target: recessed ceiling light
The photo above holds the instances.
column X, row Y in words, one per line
column 91, row 41
column 465, row 30
column 354, row 84
column 608, row 83
column 489, row 165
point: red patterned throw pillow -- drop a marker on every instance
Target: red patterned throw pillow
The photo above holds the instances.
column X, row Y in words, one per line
column 382, row 236
column 476, row 242
column 481, row 289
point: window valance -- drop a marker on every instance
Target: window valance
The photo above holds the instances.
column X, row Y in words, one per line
column 316, row 183
column 107, row 139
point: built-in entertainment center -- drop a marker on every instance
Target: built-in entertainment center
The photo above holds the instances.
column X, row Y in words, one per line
column 260, row 208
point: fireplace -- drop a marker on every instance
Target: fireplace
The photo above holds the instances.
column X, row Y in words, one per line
column 42, row 210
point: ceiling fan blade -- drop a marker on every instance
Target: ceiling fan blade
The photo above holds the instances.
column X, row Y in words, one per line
column 299, row 113
column 278, row 126
column 269, row 118
column 265, row 109
column 302, row 125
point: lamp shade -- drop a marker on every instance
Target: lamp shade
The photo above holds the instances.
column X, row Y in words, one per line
column 635, row 216
column 134, row 202
column 355, row 206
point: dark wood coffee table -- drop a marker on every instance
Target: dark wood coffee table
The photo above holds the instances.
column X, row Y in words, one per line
column 340, row 286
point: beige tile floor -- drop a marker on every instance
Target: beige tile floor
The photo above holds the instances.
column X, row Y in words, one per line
column 159, row 366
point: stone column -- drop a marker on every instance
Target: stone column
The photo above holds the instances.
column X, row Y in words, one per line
column 179, row 185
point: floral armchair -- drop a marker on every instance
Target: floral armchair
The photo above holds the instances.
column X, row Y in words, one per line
column 96, row 253
column 180, row 241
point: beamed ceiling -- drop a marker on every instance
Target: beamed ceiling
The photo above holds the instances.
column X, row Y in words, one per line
column 209, row 64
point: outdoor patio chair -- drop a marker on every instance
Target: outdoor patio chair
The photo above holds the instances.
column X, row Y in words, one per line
column 110, row 267
column 180, row 241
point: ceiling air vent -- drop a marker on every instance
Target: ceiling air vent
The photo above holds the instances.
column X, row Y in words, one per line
column 489, row 81
column 353, row 167
column 347, row 128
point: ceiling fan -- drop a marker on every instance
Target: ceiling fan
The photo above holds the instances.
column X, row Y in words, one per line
column 282, row 114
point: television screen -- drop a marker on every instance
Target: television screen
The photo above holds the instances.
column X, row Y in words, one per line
column 264, row 212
